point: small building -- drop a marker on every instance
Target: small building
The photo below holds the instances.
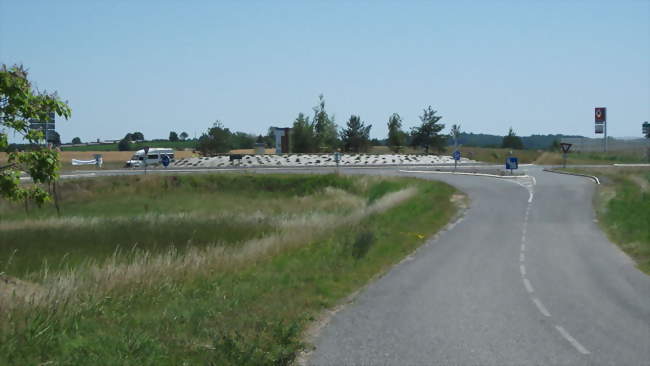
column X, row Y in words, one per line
column 281, row 139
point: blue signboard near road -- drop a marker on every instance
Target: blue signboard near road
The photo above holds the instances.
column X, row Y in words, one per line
column 456, row 155
column 512, row 163
column 164, row 160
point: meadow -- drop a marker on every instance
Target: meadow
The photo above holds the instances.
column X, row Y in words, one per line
column 216, row 269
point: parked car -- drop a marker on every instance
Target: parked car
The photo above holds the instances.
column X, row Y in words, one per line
column 152, row 158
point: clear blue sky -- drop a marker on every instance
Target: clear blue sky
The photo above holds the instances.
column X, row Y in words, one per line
column 155, row 66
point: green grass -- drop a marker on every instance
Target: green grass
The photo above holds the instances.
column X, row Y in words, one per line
column 99, row 217
column 579, row 158
column 623, row 205
column 498, row 155
column 252, row 312
column 177, row 145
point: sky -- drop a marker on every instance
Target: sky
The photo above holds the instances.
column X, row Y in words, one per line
column 539, row 67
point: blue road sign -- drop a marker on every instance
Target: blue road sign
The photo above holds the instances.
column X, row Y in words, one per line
column 456, row 155
column 512, row 163
column 164, row 160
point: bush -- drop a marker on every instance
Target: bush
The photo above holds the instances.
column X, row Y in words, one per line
column 362, row 244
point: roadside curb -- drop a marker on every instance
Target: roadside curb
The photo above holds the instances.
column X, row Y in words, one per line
column 595, row 179
column 464, row 173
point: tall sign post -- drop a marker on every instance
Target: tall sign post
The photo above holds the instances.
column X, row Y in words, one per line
column 646, row 132
column 337, row 160
column 146, row 155
column 565, row 150
column 600, row 117
column 456, row 156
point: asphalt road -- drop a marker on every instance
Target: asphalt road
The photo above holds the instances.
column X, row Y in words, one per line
column 526, row 278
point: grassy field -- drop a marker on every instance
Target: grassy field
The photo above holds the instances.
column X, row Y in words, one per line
column 206, row 269
column 623, row 205
column 176, row 145
column 577, row 158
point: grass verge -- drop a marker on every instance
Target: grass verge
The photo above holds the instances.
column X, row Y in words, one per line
column 623, row 206
column 613, row 157
column 246, row 303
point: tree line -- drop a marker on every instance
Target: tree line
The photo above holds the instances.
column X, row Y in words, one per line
column 319, row 133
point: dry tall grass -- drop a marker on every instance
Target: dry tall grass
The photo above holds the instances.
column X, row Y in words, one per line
column 94, row 280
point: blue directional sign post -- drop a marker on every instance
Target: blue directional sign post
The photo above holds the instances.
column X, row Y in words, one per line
column 456, row 156
column 512, row 163
column 164, row 160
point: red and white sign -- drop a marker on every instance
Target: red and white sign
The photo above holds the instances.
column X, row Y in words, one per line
column 600, row 115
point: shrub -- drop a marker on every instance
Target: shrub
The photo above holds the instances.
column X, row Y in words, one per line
column 362, row 244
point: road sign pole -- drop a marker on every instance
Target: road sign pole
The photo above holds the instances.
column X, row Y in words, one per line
column 605, row 131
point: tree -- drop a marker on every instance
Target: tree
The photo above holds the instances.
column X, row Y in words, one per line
column 137, row 136
column 356, row 136
column 396, row 137
column 269, row 139
column 18, row 105
column 427, row 135
column 512, row 141
column 125, row 143
column 242, row 140
column 76, row 140
column 216, row 140
column 455, row 134
column 183, row 136
column 555, row 146
column 54, row 138
column 325, row 134
column 173, row 136
column 302, row 138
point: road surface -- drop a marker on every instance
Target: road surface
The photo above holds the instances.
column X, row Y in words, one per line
column 526, row 278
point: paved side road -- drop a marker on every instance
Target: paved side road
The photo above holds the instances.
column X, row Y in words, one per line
column 527, row 278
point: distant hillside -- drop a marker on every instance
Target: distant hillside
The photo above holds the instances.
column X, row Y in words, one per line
column 530, row 142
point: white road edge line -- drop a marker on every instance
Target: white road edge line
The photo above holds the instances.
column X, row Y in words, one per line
column 572, row 340
column 528, row 286
column 541, row 307
column 461, row 173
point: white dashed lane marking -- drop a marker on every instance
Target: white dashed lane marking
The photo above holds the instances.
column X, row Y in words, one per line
column 541, row 307
column 529, row 185
column 572, row 340
column 528, row 286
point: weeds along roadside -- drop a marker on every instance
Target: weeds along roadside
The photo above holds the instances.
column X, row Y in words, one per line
column 249, row 313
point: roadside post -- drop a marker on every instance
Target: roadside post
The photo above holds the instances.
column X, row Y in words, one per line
column 646, row 132
column 565, row 151
column 165, row 160
column 337, row 159
column 456, row 156
column 146, row 154
column 98, row 160
column 512, row 163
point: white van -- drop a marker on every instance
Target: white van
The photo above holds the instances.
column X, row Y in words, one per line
column 152, row 158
